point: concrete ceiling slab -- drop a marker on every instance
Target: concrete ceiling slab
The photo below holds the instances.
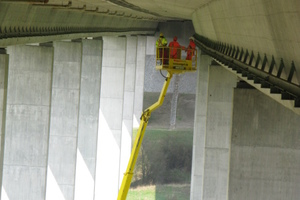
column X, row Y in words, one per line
column 269, row 27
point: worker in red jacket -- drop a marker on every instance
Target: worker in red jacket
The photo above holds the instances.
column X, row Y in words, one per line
column 175, row 48
column 190, row 49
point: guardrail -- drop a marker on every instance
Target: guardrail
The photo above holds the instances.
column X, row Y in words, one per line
column 176, row 59
column 257, row 70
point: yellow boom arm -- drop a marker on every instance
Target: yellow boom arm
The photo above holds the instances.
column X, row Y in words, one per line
column 139, row 138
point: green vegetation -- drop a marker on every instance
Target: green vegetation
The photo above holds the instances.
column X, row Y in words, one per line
column 164, row 163
column 160, row 192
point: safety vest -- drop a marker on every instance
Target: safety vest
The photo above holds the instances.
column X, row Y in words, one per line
column 160, row 42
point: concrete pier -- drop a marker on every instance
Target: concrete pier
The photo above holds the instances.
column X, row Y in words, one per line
column 128, row 104
column 110, row 118
column 212, row 132
column 64, row 121
column 88, row 119
column 3, row 95
column 67, row 131
column 218, row 133
column 27, row 122
column 139, row 80
column 200, row 127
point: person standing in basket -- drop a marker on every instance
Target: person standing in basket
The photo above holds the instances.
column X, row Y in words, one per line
column 161, row 42
column 190, row 49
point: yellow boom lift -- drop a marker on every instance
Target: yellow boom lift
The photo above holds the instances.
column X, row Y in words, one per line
column 173, row 65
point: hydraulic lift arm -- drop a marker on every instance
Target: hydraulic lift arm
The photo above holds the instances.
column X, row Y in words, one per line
column 139, row 138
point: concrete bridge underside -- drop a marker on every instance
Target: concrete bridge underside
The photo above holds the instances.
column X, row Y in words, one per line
column 72, row 83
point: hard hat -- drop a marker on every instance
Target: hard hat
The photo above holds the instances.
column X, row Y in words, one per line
column 175, row 38
column 192, row 38
column 161, row 35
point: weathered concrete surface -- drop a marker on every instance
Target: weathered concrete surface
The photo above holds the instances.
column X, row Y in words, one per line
column 200, row 127
column 129, row 90
column 64, row 120
column 88, row 119
column 4, row 58
column 41, row 18
column 269, row 27
column 110, row 119
column 265, row 149
column 27, row 122
column 139, row 80
column 218, row 132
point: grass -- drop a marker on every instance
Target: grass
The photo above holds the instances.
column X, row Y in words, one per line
column 160, row 147
column 160, row 192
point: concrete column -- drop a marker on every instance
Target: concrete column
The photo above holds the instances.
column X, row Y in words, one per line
column 88, row 119
column 139, row 81
column 265, row 150
column 129, row 88
column 200, row 127
column 218, row 133
column 110, row 119
column 3, row 95
column 64, row 121
column 27, row 122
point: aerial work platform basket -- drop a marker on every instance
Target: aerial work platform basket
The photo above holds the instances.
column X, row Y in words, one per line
column 176, row 60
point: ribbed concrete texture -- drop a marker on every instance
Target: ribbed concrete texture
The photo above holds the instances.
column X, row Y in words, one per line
column 265, row 150
column 139, row 80
column 129, row 89
column 110, row 119
column 3, row 94
column 218, row 132
column 88, row 119
column 197, row 175
column 64, row 121
column 27, row 122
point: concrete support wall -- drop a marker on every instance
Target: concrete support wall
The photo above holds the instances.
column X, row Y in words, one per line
column 200, row 127
column 27, row 122
column 88, row 119
column 3, row 95
column 212, row 132
column 68, row 128
column 129, row 91
column 139, row 81
column 64, row 120
column 110, row 119
column 265, row 150
column 218, row 133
